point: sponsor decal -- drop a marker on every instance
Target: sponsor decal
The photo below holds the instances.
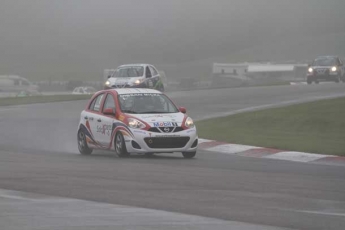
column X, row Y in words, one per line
column 125, row 96
column 159, row 116
column 165, row 124
column 139, row 131
column 167, row 135
column 121, row 117
column 104, row 129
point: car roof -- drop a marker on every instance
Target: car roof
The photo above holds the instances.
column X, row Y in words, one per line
column 329, row 56
column 129, row 65
column 135, row 90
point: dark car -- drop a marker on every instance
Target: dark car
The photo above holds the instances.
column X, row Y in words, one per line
column 326, row 68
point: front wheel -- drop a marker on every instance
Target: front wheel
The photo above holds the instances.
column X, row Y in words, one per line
column 82, row 144
column 120, row 146
column 189, row 155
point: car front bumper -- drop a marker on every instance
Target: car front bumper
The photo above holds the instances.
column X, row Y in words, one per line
column 332, row 76
column 142, row 141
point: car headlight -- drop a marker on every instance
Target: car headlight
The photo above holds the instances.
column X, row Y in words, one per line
column 107, row 83
column 310, row 70
column 138, row 81
column 189, row 123
column 135, row 124
column 334, row 68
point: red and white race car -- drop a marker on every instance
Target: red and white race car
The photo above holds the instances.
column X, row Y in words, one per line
column 143, row 121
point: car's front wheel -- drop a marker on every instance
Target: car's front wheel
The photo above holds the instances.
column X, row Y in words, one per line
column 120, row 146
column 82, row 144
column 189, row 155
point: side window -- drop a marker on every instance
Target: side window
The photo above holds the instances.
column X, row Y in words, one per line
column 16, row 81
column 153, row 71
column 148, row 72
column 24, row 82
column 109, row 102
column 96, row 103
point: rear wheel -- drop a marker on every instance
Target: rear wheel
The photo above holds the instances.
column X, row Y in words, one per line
column 189, row 155
column 82, row 144
column 120, row 146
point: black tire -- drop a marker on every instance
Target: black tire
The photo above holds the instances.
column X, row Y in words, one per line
column 316, row 82
column 309, row 81
column 338, row 79
column 120, row 146
column 82, row 144
column 189, row 155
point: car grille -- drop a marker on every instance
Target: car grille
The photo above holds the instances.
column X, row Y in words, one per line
column 120, row 86
column 166, row 129
column 321, row 71
column 166, row 142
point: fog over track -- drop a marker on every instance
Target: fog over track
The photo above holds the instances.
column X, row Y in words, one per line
column 38, row 153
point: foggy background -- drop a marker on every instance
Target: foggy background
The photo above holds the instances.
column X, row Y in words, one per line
column 69, row 39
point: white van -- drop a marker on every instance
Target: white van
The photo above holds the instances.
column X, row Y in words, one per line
column 16, row 84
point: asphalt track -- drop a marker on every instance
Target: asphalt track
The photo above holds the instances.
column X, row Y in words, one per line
column 38, row 154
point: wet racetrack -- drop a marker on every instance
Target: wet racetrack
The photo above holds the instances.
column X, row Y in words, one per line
column 38, row 154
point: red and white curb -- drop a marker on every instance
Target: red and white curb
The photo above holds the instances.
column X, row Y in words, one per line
column 254, row 151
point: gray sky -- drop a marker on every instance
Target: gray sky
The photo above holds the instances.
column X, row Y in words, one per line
column 67, row 37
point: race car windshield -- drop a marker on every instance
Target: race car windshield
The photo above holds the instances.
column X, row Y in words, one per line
column 324, row 62
column 145, row 103
column 133, row 71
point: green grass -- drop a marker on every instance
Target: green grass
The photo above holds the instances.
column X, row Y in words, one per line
column 41, row 99
column 315, row 127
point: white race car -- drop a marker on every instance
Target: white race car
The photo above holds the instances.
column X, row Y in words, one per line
column 142, row 121
column 135, row 76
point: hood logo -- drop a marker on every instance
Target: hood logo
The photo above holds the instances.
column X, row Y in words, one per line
column 166, row 129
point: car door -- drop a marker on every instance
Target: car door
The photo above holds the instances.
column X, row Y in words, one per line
column 107, row 121
column 149, row 79
column 155, row 77
column 94, row 118
column 342, row 67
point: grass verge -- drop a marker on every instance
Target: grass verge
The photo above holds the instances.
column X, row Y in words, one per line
column 41, row 99
column 315, row 127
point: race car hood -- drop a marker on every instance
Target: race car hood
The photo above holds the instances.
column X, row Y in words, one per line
column 123, row 80
column 161, row 120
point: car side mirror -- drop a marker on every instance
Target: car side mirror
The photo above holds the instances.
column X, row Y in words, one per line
column 109, row 76
column 109, row 111
column 183, row 110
